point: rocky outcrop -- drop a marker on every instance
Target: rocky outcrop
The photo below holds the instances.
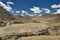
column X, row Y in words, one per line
column 23, row 30
column 40, row 38
column 17, row 31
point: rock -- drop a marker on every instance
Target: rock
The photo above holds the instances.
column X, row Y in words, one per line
column 21, row 30
column 54, row 30
column 40, row 38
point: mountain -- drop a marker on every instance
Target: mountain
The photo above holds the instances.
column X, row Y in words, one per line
column 4, row 15
column 6, row 18
column 12, row 27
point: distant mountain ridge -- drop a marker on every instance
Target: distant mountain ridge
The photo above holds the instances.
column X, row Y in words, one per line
column 7, row 17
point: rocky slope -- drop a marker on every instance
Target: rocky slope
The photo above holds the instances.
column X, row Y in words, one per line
column 40, row 38
column 19, row 31
column 12, row 27
column 7, row 18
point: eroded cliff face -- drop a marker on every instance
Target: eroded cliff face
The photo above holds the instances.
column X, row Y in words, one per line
column 20, row 31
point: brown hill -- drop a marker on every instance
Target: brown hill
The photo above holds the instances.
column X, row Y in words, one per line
column 4, row 15
column 6, row 18
column 29, row 27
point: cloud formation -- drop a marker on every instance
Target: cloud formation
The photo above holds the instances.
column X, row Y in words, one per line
column 58, row 11
column 6, row 7
column 36, row 9
column 55, row 6
column 46, row 10
column 23, row 12
column 17, row 11
column 9, row 2
column 30, row 14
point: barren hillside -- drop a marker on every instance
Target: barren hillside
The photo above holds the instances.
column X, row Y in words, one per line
column 12, row 27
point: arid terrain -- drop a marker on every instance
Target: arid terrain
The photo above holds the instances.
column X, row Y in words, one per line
column 12, row 27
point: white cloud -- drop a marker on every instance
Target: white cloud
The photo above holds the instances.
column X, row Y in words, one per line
column 36, row 9
column 23, row 12
column 10, row 3
column 29, row 14
column 17, row 11
column 46, row 10
column 40, row 15
column 57, row 12
column 12, row 11
column 55, row 6
column 7, row 7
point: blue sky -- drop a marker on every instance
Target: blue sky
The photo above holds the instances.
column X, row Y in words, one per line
column 27, row 4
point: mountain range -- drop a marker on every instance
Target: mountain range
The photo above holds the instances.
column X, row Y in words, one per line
column 13, row 27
